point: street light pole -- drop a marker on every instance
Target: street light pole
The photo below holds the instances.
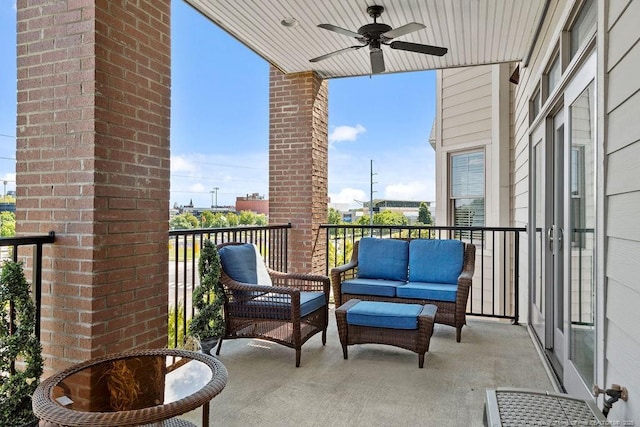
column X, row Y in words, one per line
column 214, row 191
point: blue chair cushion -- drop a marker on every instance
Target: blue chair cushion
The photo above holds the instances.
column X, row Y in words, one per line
column 280, row 305
column 384, row 315
column 435, row 261
column 382, row 288
column 429, row 291
column 243, row 263
column 383, row 259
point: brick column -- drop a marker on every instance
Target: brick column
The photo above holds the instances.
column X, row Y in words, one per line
column 298, row 146
column 93, row 165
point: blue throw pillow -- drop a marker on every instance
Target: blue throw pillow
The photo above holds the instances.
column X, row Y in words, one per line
column 383, row 259
column 243, row 263
column 435, row 261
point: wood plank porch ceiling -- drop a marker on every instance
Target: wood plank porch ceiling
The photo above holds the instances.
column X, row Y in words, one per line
column 475, row 31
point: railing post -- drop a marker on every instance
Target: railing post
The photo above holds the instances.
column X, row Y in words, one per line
column 37, row 285
column 516, row 279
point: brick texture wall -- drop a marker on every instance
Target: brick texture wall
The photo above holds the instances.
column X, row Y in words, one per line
column 298, row 164
column 93, row 166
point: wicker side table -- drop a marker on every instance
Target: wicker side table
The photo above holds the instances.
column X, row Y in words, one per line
column 131, row 389
column 517, row 407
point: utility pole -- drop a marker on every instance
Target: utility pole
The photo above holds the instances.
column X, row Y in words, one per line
column 214, row 191
column 371, row 196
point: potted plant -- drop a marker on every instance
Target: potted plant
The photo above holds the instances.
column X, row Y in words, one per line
column 20, row 350
column 207, row 324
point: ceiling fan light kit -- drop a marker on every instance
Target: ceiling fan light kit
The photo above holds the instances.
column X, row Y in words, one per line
column 377, row 34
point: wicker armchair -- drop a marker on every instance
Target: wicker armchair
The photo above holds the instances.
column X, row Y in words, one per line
column 449, row 312
column 285, row 308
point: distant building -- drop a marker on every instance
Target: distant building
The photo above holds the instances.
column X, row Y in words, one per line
column 197, row 211
column 7, row 207
column 409, row 208
column 254, row 203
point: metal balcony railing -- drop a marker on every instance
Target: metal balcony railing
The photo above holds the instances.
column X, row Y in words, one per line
column 495, row 288
column 184, row 250
column 494, row 292
column 23, row 249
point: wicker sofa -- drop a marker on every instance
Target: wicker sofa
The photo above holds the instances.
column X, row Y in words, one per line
column 419, row 271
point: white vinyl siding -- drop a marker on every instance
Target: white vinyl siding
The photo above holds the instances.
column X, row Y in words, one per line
column 622, row 145
column 466, row 105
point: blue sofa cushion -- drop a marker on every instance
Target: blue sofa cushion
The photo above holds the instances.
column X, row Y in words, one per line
column 435, row 261
column 280, row 305
column 243, row 263
column 382, row 288
column 384, row 315
column 383, row 259
column 429, row 291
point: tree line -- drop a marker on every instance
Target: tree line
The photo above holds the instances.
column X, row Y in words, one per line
column 208, row 219
column 385, row 217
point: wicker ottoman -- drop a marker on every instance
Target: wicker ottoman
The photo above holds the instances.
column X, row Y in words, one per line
column 407, row 326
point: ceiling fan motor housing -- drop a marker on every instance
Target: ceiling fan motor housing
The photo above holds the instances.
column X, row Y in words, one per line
column 373, row 31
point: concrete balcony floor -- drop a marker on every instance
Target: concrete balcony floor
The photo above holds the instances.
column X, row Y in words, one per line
column 378, row 385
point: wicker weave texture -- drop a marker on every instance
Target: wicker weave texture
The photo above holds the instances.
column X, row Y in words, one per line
column 173, row 422
column 449, row 313
column 45, row 408
column 277, row 317
column 416, row 340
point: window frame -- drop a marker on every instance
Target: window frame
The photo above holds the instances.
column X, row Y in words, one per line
column 453, row 198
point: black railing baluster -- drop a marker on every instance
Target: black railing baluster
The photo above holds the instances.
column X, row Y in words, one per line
column 516, row 277
column 270, row 240
column 505, row 289
column 36, row 243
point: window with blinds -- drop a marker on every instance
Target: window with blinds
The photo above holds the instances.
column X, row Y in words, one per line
column 467, row 189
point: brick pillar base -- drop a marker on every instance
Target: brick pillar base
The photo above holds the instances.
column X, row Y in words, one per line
column 93, row 166
column 298, row 146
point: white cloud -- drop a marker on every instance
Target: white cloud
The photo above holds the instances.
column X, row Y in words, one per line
column 414, row 190
column 348, row 196
column 180, row 164
column 198, row 187
column 345, row 133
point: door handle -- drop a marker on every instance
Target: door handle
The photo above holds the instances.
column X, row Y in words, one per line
column 553, row 240
column 560, row 237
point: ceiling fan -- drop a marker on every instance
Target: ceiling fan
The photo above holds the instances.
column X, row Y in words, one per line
column 377, row 34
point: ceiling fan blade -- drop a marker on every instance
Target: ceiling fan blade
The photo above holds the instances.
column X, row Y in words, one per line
column 404, row 29
column 377, row 61
column 339, row 30
column 419, row 48
column 337, row 52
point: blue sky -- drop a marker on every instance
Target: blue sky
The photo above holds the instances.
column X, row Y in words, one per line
column 220, row 121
